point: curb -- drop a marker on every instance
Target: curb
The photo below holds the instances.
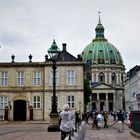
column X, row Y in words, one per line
column 24, row 122
column 135, row 134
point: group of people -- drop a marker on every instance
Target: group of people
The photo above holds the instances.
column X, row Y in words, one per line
column 98, row 119
column 122, row 116
column 67, row 118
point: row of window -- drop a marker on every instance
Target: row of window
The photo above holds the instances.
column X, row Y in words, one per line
column 20, row 78
column 36, row 102
column 113, row 77
column 102, row 77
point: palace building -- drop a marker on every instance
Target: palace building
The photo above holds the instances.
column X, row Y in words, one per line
column 105, row 70
column 132, row 89
column 26, row 88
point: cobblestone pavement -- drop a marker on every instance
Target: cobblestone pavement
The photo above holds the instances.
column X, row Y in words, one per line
column 110, row 133
column 38, row 131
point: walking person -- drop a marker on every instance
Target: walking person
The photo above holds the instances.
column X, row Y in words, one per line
column 114, row 114
column 120, row 116
column 95, row 120
column 105, row 120
column 77, row 119
column 130, row 119
column 66, row 121
column 120, row 121
column 100, row 119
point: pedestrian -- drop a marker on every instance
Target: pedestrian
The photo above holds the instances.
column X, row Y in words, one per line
column 59, row 121
column 100, row 119
column 120, row 122
column 130, row 119
column 95, row 120
column 84, row 117
column 120, row 116
column 77, row 119
column 105, row 120
column 66, row 125
column 114, row 114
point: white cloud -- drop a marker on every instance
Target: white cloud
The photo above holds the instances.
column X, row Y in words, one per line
column 29, row 27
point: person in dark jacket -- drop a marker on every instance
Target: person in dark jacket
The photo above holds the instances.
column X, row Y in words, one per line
column 120, row 116
column 95, row 120
column 105, row 120
column 77, row 118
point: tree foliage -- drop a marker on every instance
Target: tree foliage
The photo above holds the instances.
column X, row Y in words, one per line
column 87, row 91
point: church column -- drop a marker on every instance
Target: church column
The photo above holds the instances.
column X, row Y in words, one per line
column 117, row 76
column 109, row 78
column 97, row 77
column 105, row 77
column 92, row 75
column 106, row 104
column 98, row 103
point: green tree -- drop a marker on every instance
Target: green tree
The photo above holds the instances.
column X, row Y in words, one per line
column 87, row 92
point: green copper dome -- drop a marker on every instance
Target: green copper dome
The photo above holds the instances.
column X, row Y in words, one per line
column 100, row 51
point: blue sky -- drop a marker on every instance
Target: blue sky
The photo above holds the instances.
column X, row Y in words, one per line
column 29, row 27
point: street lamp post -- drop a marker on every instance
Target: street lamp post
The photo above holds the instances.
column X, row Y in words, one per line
column 54, row 98
column 54, row 53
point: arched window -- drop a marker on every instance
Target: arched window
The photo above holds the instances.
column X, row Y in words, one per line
column 101, row 77
column 89, row 76
column 113, row 78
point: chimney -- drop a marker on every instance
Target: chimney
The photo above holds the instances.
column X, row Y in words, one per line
column 64, row 46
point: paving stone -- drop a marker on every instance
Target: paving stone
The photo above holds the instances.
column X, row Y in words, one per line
column 38, row 131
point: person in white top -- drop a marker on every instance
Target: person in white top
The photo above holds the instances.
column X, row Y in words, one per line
column 66, row 124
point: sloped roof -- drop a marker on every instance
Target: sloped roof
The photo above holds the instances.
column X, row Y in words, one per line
column 66, row 56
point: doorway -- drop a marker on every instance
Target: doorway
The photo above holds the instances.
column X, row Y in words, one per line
column 94, row 107
column 111, row 106
column 20, row 110
column 102, row 104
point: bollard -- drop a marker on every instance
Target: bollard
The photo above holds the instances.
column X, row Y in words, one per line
column 83, row 125
column 73, row 137
column 120, row 126
column 80, row 133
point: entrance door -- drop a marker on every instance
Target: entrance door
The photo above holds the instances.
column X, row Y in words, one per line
column 110, row 106
column 102, row 106
column 20, row 110
column 94, row 107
